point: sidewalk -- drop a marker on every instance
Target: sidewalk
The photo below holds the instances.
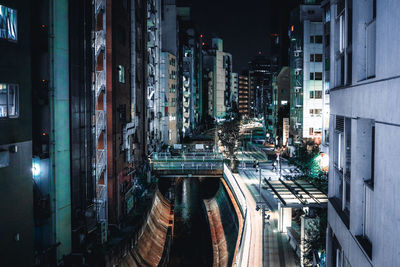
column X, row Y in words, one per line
column 276, row 249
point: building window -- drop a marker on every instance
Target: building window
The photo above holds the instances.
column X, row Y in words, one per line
column 311, row 75
column 318, row 57
column 311, row 94
column 318, row 94
column 121, row 74
column 318, row 76
column 8, row 23
column 311, row 130
column 312, row 39
column 318, row 39
column 9, row 100
column 312, row 57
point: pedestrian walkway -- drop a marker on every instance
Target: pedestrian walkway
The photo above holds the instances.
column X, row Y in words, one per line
column 276, row 248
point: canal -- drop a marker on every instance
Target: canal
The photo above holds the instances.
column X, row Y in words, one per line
column 191, row 245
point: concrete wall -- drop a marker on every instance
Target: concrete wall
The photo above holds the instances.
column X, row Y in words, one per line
column 375, row 100
column 225, row 224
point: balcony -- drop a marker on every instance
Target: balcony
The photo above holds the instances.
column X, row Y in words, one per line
column 100, row 163
column 100, row 122
column 99, row 5
column 100, row 42
column 100, row 202
column 100, row 83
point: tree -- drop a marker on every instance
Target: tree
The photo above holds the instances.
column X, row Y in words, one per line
column 228, row 134
column 314, row 238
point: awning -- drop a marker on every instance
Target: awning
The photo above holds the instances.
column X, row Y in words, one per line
column 296, row 193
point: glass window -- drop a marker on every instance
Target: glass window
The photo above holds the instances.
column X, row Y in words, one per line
column 3, row 22
column 311, row 75
column 121, row 74
column 318, row 76
column 311, row 131
column 318, row 39
column 318, row 57
column 3, row 100
column 8, row 23
column 318, row 94
column 312, row 57
column 9, row 100
column 311, row 94
column 312, row 39
column 12, row 25
column 13, row 100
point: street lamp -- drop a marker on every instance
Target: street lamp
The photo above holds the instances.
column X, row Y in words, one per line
column 258, row 169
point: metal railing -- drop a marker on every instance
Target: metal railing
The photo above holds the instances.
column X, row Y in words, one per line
column 100, row 83
column 100, row 162
column 99, row 5
column 100, row 42
column 100, row 122
column 193, row 166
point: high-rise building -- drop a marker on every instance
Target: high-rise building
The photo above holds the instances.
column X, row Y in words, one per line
column 218, row 73
column 16, row 192
column 305, row 33
column 169, row 95
column 243, row 95
column 234, row 87
column 261, row 70
column 364, row 127
column 280, row 103
column 153, row 71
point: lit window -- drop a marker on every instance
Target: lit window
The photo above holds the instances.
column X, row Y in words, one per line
column 8, row 23
column 121, row 74
column 311, row 94
column 9, row 104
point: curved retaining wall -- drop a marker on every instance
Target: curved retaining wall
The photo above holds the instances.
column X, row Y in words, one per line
column 226, row 222
column 151, row 239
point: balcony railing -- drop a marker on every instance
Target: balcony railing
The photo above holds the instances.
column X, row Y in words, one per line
column 99, row 5
column 100, row 122
column 100, row 83
column 100, row 162
column 100, row 202
column 100, row 42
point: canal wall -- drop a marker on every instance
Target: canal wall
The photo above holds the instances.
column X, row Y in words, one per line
column 226, row 222
column 148, row 246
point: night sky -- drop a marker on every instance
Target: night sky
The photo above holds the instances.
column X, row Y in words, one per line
column 245, row 26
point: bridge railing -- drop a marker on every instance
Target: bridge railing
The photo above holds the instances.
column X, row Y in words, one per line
column 181, row 165
column 200, row 156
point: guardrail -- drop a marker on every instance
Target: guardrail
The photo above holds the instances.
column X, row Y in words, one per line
column 242, row 254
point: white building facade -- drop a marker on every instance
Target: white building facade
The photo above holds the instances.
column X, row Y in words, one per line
column 311, row 15
column 363, row 212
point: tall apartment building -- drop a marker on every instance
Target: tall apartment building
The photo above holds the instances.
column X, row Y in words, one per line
column 234, row 87
column 306, row 32
column 364, row 127
column 169, row 95
column 153, row 71
column 261, row 70
column 280, row 103
column 243, row 95
column 220, row 68
column 16, row 192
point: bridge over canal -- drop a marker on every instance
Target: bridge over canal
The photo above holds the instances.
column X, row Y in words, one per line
column 204, row 164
